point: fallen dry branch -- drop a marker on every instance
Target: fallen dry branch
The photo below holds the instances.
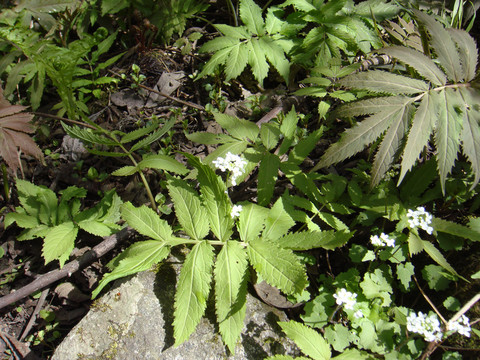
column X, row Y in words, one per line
column 49, row 278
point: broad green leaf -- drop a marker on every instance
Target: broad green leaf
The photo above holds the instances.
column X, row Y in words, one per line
column 239, row 128
column 217, row 44
column 391, row 143
column 308, row 340
column 23, row 220
column 163, row 162
column 235, row 32
column 257, row 60
column 376, row 284
column 267, row 176
column 219, row 58
column 236, row 62
column 214, row 199
column 380, row 81
column 387, row 104
column 470, row 135
column 251, row 15
column 137, row 134
column 59, row 242
column 353, row 354
column 447, row 130
column 316, row 239
column 355, row 139
column 113, row 6
column 146, row 222
column 230, row 291
column 305, row 146
column 455, row 229
column 192, row 291
column 278, row 267
column 404, row 275
column 188, row 208
column 443, row 45
column 251, row 221
column 419, row 61
column 278, row 221
column 154, row 136
column 270, row 135
column 98, row 228
column 139, row 256
column 37, row 201
column 437, row 256
column 125, row 171
column 332, row 221
column 415, row 244
column 468, row 52
column 422, row 126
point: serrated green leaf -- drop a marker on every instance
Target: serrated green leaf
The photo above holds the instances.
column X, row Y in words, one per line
column 163, row 162
column 276, row 57
column 419, row 61
column 267, row 176
column 214, row 199
column 208, row 138
column 230, row 292
column 415, row 244
column 125, row 171
column 219, row 58
column 308, row 340
column 278, row 221
column 25, row 221
column 236, row 62
column 98, row 228
column 448, row 128
column 306, row 240
column 138, row 257
column 467, row 49
column 355, row 139
column 404, row 274
column 437, row 256
column 380, row 81
column 332, row 221
column 420, row 131
column 59, row 242
column 470, row 135
column 257, row 60
column 391, row 143
column 452, row 228
column 154, row 136
column 270, row 135
column 251, row 15
column 239, row 128
column 137, row 134
column 278, row 267
column 305, row 146
column 353, row 354
column 188, row 208
column 88, row 136
column 146, row 222
column 443, row 45
column 192, row 291
column 235, row 32
column 376, row 284
column 386, row 104
column 251, row 221
column 219, row 43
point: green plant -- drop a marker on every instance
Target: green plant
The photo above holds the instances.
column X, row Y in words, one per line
column 262, row 241
column 445, row 105
column 57, row 222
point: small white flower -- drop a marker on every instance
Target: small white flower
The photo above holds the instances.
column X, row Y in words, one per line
column 358, row 314
column 420, row 218
column 427, row 326
column 376, row 241
column 236, row 209
column 462, row 326
column 345, row 298
column 383, row 240
column 233, row 163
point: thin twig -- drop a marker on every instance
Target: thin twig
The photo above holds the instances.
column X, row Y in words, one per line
column 47, row 279
column 465, row 308
column 429, row 301
column 81, row 123
column 33, row 317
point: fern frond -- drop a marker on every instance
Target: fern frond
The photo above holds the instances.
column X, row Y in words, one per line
column 419, row 61
column 384, row 82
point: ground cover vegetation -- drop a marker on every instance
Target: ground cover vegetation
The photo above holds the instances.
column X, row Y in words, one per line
column 328, row 148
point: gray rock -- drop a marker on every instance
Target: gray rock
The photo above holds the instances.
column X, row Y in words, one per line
column 134, row 321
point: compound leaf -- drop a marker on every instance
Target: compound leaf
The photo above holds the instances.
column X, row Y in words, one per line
column 236, row 62
column 278, row 221
column 59, row 242
column 251, row 15
column 468, row 52
column 251, row 221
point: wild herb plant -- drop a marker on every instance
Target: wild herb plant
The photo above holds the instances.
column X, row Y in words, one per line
column 42, row 215
column 444, row 104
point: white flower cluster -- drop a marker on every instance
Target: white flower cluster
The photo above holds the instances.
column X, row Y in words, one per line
column 427, row 326
column 345, row 298
column 462, row 326
column 235, row 211
column 420, row 218
column 233, row 163
column 383, row 240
